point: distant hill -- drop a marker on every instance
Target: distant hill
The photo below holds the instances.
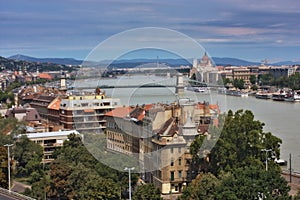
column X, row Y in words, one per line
column 31, row 66
column 233, row 61
column 287, row 63
column 61, row 61
column 135, row 62
column 176, row 62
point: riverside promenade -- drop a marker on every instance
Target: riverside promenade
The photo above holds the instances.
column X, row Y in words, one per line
column 295, row 181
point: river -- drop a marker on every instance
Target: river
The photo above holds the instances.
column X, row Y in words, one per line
column 280, row 118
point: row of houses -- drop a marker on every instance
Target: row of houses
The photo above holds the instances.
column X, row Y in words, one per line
column 7, row 77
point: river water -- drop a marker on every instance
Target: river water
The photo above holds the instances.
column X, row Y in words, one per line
column 280, row 118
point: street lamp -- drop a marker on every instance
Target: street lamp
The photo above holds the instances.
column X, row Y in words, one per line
column 129, row 184
column 8, row 164
column 266, row 150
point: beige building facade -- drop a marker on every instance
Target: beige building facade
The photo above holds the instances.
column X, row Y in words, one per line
column 159, row 135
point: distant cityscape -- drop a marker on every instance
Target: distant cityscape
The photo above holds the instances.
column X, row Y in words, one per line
column 53, row 112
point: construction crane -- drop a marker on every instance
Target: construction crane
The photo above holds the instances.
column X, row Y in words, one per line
column 265, row 61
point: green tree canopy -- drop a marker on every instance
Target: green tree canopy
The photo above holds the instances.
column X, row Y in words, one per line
column 28, row 156
column 3, row 167
column 239, row 83
column 147, row 192
column 76, row 174
column 253, row 182
column 252, row 79
column 248, row 182
column 237, row 162
column 203, row 187
column 241, row 141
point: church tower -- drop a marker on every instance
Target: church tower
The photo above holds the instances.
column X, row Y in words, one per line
column 63, row 85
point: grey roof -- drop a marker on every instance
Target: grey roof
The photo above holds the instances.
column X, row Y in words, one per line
column 31, row 113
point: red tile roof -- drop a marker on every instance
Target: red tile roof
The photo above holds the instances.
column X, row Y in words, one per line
column 120, row 112
column 45, row 76
column 55, row 104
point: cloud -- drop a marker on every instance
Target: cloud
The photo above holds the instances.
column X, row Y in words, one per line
column 80, row 23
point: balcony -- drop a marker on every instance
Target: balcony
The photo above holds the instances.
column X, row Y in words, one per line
column 49, row 145
column 48, row 152
column 177, row 180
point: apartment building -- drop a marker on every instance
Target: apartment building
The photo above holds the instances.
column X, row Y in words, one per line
column 50, row 141
column 159, row 135
column 85, row 111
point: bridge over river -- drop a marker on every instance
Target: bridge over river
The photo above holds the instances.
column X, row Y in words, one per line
column 179, row 82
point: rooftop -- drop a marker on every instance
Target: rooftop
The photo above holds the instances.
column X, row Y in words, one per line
column 49, row 134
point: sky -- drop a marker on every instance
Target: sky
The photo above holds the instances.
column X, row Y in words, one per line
column 251, row 30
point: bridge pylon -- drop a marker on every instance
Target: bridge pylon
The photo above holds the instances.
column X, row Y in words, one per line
column 179, row 84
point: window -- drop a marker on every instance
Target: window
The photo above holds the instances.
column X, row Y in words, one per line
column 179, row 161
column 188, row 174
column 179, row 149
column 172, row 176
column 172, row 149
column 188, row 161
column 180, row 174
column 172, row 162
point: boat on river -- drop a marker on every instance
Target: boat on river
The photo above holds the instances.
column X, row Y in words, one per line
column 279, row 96
column 237, row 93
column 203, row 90
column 293, row 96
column 263, row 95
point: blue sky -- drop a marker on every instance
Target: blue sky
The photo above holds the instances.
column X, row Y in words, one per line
column 251, row 30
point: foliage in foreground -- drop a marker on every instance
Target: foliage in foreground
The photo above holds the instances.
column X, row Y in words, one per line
column 235, row 167
column 147, row 191
column 76, row 174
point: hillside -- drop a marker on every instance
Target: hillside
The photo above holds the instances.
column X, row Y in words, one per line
column 62, row 61
column 31, row 66
column 135, row 62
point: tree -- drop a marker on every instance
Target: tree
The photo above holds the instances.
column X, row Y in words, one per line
column 239, row 83
column 294, row 81
column 74, row 174
column 252, row 79
column 238, row 162
column 240, row 143
column 8, row 126
column 266, row 79
column 85, row 183
column 253, row 182
column 147, row 192
column 29, row 157
column 203, row 187
column 7, row 129
column 3, row 167
column 226, row 81
column 39, row 189
column 254, row 87
column 59, row 174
